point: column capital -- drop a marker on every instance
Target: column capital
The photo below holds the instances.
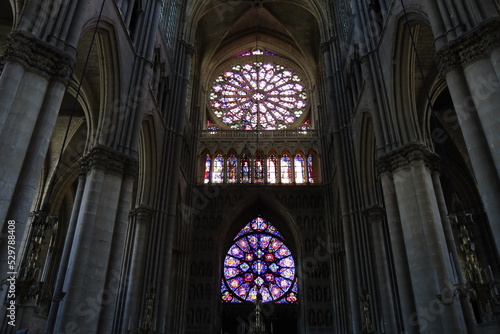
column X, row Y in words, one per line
column 374, row 213
column 109, row 160
column 38, row 57
column 475, row 45
column 142, row 214
column 404, row 156
column 325, row 46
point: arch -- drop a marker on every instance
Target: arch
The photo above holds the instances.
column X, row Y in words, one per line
column 147, row 181
column 367, row 170
column 259, row 262
column 246, row 209
column 409, row 98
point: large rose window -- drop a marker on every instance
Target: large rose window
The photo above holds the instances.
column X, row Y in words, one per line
column 259, row 262
column 258, row 95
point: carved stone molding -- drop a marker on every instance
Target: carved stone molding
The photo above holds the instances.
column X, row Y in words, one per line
column 142, row 214
column 38, row 57
column 404, row 156
column 374, row 213
column 101, row 157
column 473, row 46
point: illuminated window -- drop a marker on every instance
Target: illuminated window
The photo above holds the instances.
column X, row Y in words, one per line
column 258, row 95
column 218, row 173
column 232, row 168
column 259, row 262
column 286, row 169
column 272, row 173
column 298, row 166
column 245, row 170
column 207, row 169
column 259, row 169
column 310, row 172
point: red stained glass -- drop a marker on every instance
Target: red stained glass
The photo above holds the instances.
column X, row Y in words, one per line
column 259, row 262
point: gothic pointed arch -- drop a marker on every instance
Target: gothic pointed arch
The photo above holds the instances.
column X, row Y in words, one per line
column 414, row 58
column 259, row 262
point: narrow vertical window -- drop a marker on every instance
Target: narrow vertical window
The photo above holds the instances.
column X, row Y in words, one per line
column 245, row 169
column 259, row 169
column 231, row 169
column 272, row 164
column 208, row 162
column 286, row 169
column 298, row 166
column 218, row 173
column 310, row 171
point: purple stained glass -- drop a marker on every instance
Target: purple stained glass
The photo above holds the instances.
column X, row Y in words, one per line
column 258, row 225
column 259, row 262
column 258, row 95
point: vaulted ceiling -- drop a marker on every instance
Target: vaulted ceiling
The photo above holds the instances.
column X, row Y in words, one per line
column 286, row 27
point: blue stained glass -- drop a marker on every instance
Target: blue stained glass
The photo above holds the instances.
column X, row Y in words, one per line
column 231, row 261
column 299, row 169
column 254, row 241
column 243, row 244
column 274, row 267
column 258, row 225
column 286, row 169
column 207, row 169
column 264, row 241
column 259, row 267
column 283, row 283
column 286, row 262
column 236, row 252
column 310, row 171
column 259, row 262
column 231, row 272
column 282, row 252
column 218, row 173
column 266, row 296
column 231, row 169
column 287, row 272
column 275, row 244
column 245, row 170
column 243, row 290
column 277, row 94
column 276, row 292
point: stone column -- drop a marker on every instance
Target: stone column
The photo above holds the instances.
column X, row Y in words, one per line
column 403, row 280
column 468, row 63
column 140, row 219
column 63, row 265
column 375, row 217
column 34, row 76
column 426, row 249
column 86, row 284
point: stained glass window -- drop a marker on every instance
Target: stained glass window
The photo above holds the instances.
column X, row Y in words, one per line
column 298, row 165
column 245, row 170
column 272, row 172
column 310, row 171
column 207, row 169
column 218, row 173
column 232, row 163
column 259, row 169
column 212, row 127
column 259, row 262
column 258, row 95
column 286, row 169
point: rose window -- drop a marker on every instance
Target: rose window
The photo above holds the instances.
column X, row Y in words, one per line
column 259, row 262
column 258, row 95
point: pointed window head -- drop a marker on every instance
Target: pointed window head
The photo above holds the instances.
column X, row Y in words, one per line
column 259, row 261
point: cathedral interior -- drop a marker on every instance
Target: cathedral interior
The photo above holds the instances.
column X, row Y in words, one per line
column 250, row 166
